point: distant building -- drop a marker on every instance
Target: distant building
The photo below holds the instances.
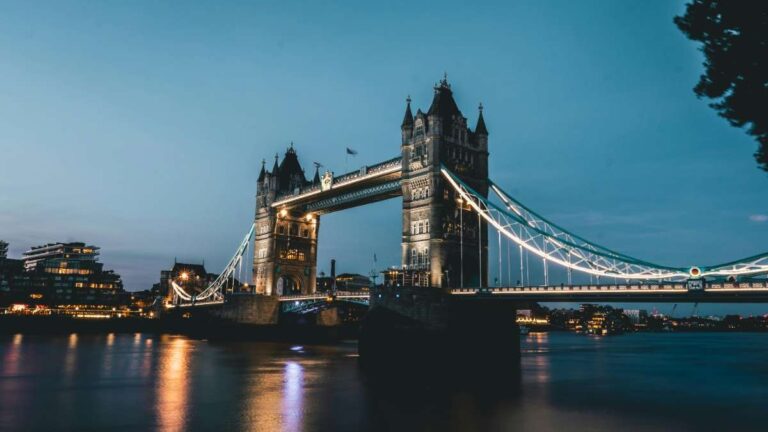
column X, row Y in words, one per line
column 61, row 274
column 324, row 283
column 11, row 276
column 192, row 278
column 75, row 252
column 352, row 282
column 636, row 316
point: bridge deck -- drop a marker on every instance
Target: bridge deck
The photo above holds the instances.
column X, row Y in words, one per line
column 745, row 292
column 756, row 292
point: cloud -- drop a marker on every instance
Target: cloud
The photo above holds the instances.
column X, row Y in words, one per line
column 759, row 218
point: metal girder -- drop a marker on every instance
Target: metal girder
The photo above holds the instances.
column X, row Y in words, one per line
column 373, row 193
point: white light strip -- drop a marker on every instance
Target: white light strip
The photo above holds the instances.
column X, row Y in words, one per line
column 545, row 255
column 588, row 292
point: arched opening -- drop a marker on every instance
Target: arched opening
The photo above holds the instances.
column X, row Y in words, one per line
column 287, row 285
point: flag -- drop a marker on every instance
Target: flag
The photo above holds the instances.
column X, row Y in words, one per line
column 351, row 152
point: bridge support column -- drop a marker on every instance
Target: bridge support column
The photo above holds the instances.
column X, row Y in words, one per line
column 430, row 327
column 328, row 317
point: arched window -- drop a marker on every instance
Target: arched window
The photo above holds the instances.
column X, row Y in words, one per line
column 426, row 226
column 413, row 256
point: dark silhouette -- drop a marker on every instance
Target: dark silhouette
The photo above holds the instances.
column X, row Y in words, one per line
column 735, row 38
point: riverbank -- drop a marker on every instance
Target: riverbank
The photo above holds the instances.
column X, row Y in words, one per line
column 197, row 329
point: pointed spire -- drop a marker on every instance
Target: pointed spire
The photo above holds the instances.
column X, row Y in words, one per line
column 480, row 129
column 408, row 119
column 263, row 172
column 275, row 169
column 443, row 104
column 316, row 179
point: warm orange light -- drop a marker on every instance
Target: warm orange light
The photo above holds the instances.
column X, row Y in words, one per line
column 283, row 212
column 184, row 276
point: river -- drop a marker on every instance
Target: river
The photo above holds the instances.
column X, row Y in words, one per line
column 645, row 381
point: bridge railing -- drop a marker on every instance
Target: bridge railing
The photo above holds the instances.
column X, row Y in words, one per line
column 321, row 296
column 618, row 288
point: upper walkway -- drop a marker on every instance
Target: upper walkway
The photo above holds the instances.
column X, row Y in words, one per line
column 368, row 184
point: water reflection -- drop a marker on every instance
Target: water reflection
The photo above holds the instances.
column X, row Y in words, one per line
column 293, row 396
column 9, row 387
column 536, row 364
column 13, row 357
column 173, row 384
column 70, row 359
column 568, row 382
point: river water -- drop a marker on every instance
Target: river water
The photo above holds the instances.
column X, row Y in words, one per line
column 647, row 381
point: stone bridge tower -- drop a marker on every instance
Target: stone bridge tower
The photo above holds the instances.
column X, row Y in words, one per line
column 285, row 244
column 432, row 236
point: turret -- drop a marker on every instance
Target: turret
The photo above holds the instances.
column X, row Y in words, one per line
column 290, row 174
column 481, row 132
column 407, row 126
column 262, row 173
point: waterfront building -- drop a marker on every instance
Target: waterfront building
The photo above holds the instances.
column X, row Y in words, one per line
column 75, row 252
column 61, row 275
column 11, row 276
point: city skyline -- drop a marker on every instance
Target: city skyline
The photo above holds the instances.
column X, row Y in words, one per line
column 173, row 152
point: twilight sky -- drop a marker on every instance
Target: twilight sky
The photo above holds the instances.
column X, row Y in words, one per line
column 140, row 126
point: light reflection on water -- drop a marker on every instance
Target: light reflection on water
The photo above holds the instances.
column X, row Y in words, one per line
column 173, row 374
column 292, row 396
column 567, row 382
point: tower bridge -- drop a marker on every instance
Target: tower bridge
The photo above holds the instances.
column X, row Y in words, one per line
column 450, row 211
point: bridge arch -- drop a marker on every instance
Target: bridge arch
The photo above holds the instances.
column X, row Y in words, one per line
column 289, row 284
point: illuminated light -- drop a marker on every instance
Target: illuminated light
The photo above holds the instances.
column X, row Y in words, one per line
column 695, row 272
column 184, row 276
column 283, row 213
column 297, row 348
column 309, row 217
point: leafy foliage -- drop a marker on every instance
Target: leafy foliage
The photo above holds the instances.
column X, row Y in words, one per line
column 734, row 35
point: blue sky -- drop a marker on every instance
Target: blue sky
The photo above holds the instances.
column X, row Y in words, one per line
column 140, row 126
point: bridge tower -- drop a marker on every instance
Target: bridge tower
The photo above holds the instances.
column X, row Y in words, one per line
column 432, row 214
column 285, row 244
